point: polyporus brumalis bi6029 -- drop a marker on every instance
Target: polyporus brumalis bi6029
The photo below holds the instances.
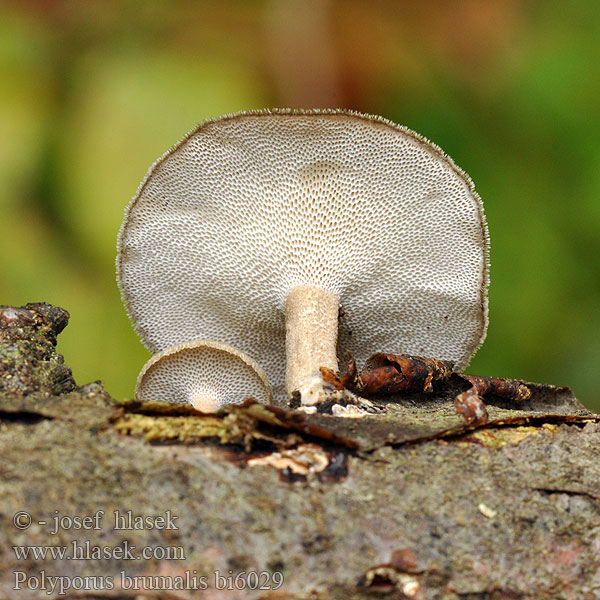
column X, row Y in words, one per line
column 261, row 228
column 204, row 373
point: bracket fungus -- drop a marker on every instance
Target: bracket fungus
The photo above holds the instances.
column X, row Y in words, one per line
column 299, row 235
column 204, row 373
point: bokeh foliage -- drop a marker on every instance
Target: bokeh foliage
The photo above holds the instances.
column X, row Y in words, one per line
column 93, row 92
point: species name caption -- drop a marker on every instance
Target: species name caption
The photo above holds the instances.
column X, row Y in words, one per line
column 86, row 550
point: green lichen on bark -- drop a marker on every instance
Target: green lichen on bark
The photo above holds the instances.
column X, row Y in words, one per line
column 509, row 510
column 28, row 361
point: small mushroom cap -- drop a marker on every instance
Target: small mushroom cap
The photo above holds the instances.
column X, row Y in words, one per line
column 204, row 373
column 248, row 206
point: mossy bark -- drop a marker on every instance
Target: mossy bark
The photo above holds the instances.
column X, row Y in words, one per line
column 411, row 504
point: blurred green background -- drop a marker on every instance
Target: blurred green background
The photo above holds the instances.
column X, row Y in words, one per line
column 91, row 93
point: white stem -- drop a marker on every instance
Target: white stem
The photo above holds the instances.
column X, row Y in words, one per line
column 205, row 403
column 311, row 325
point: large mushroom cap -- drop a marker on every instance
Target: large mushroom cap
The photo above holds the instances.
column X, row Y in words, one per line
column 247, row 207
column 204, row 373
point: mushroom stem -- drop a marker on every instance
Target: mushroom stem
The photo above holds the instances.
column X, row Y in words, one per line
column 205, row 403
column 311, row 324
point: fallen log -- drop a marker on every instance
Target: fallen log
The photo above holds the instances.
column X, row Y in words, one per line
column 104, row 499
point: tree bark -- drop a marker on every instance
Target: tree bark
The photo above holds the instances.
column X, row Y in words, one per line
column 412, row 503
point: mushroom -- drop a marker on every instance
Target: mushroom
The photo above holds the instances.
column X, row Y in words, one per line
column 205, row 373
column 262, row 228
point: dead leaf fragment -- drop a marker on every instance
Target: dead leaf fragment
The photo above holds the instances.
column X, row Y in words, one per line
column 393, row 373
column 387, row 374
column 511, row 389
column 470, row 405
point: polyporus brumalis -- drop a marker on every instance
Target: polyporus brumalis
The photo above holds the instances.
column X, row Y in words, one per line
column 203, row 373
column 299, row 235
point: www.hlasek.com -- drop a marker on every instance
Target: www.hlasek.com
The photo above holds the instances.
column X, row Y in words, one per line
column 189, row 580
column 78, row 550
